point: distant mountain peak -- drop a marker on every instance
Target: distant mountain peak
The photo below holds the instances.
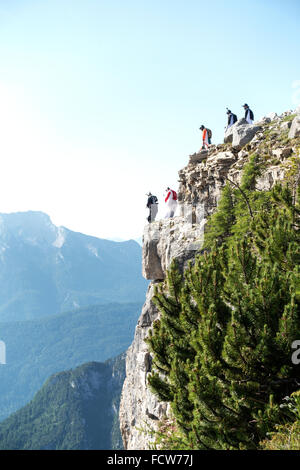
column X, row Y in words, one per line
column 30, row 226
column 21, row 216
column 47, row 269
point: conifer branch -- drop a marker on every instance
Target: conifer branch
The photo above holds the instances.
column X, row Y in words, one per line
column 243, row 194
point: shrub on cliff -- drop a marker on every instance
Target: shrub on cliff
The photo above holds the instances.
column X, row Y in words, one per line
column 287, row 436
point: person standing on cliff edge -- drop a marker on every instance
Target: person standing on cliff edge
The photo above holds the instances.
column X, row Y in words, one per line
column 152, row 205
column 232, row 118
column 206, row 136
column 171, row 201
column 249, row 116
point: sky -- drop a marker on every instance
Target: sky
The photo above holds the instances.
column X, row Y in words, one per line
column 101, row 100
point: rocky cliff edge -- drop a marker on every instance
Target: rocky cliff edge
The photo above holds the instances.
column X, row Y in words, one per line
column 277, row 141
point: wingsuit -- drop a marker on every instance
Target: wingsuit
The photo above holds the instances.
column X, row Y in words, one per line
column 249, row 116
column 152, row 205
column 232, row 118
column 206, row 137
column 171, row 202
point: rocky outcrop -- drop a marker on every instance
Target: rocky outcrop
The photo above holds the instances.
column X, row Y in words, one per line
column 201, row 183
column 241, row 133
column 199, row 156
column 295, row 127
column 282, row 152
column 152, row 262
column 168, row 239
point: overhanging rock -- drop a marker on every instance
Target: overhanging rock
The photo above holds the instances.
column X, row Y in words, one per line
column 168, row 239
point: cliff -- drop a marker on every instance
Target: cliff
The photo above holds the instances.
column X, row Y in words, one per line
column 276, row 141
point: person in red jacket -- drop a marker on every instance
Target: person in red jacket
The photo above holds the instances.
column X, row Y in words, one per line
column 171, row 201
column 206, row 137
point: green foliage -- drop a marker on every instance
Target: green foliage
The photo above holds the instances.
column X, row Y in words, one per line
column 288, row 118
column 72, row 411
column 167, row 436
column 286, row 436
column 222, row 221
column 222, row 345
column 237, row 206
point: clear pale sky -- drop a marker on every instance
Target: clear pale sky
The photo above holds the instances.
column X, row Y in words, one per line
column 101, row 100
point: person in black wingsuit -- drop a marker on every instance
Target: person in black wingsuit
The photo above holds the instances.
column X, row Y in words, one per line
column 232, row 118
column 249, row 116
column 152, row 205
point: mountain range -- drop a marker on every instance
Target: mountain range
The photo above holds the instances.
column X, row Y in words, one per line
column 35, row 349
column 74, row 410
column 46, row 270
column 66, row 298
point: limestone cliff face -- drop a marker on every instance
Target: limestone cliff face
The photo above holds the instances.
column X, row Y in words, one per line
column 140, row 410
column 274, row 138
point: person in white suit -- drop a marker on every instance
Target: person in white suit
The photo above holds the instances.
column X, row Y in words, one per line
column 171, row 202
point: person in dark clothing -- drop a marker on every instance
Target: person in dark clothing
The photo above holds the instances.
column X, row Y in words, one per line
column 249, row 116
column 152, row 205
column 232, row 118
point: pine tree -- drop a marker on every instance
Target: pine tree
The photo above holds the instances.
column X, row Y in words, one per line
column 223, row 341
column 221, row 222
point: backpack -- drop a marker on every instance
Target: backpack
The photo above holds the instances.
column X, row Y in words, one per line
column 234, row 118
column 209, row 133
column 152, row 200
column 174, row 195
